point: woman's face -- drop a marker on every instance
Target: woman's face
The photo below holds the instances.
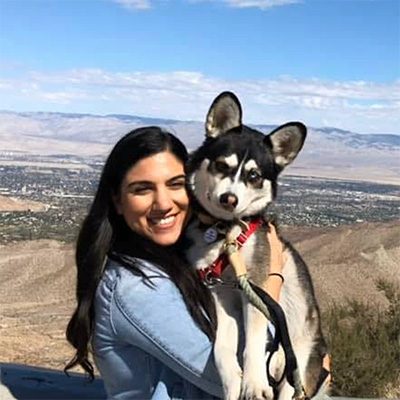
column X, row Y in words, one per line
column 153, row 198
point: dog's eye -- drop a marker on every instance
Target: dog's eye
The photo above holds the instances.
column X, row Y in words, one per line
column 254, row 176
column 221, row 167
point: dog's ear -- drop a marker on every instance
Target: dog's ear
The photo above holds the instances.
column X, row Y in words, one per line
column 224, row 114
column 286, row 142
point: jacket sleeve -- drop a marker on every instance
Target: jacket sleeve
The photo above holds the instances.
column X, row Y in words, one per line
column 155, row 318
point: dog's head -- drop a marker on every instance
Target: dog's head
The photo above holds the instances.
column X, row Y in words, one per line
column 233, row 173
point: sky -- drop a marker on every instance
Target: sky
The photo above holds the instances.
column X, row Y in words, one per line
column 328, row 63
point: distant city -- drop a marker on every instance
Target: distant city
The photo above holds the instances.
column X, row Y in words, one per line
column 68, row 193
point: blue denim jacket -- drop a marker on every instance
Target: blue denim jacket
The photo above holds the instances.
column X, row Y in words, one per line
column 145, row 343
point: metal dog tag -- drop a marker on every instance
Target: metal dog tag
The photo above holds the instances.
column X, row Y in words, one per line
column 210, row 235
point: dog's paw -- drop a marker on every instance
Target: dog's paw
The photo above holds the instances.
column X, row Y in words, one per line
column 256, row 389
column 232, row 384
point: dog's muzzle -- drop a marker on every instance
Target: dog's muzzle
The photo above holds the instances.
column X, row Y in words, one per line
column 228, row 200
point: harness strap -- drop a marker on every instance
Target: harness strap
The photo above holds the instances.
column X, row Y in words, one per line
column 216, row 269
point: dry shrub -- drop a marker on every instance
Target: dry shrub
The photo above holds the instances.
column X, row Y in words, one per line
column 365, row 346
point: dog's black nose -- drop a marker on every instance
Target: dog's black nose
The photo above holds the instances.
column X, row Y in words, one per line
column 228, row 200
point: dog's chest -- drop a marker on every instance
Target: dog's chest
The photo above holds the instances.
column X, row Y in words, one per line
column 201, row 253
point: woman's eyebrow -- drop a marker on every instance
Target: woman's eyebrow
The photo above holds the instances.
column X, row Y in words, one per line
column 134, row 183
column 183, row 176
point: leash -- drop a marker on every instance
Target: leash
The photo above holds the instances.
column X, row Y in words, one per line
column 262, row 301
column 281, row 336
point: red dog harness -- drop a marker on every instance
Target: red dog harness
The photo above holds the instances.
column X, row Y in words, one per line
column 215, row 270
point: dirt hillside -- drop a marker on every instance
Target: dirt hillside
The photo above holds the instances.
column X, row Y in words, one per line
column 13, row 204
column 346, row 262
column 36, row 299
column 37, row 283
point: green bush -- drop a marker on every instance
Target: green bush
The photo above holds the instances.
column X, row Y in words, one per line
column 365, row 346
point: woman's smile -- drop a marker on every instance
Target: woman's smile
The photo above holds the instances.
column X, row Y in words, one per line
column 164, row 223
column 153, row 198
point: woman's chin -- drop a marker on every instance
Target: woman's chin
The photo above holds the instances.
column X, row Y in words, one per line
column 165, row 239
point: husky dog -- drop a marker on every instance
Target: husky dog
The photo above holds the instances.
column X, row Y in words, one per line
column 233, row 178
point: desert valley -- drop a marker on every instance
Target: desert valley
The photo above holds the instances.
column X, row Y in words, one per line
column 339, row 204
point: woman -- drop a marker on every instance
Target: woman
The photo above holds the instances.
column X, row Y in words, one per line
column 150, row 321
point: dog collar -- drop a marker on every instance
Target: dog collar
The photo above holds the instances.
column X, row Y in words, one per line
column 214, row 271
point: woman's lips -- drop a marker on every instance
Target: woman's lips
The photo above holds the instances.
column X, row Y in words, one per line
column 163, row 223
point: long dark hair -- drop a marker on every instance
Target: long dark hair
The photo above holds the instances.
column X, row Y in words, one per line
column 104, row 230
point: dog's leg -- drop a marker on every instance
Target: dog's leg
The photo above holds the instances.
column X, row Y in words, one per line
column 302, row 349
column 225, row 348
column 277, row 368
column 286, row 391
column 255, row 383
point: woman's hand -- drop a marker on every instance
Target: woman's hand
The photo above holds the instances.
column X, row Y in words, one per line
column 275, row 278
column 277, row 256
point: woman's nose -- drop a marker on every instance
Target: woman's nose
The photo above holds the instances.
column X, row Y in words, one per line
column 162, row 199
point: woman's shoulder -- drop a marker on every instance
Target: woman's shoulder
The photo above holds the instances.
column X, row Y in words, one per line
column 133, row 288
column 136, row 299
column 130, row 268
column 128, row 276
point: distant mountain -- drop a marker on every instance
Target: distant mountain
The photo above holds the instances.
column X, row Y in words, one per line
column 380, row 141
column 107, row 128
column 143, row 120
column 328, row 152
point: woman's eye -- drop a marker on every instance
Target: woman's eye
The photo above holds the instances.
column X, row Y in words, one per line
column 141, row 190
column 254, row 176
column 177, row 185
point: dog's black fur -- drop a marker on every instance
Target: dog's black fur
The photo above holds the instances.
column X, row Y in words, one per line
column 247, row 175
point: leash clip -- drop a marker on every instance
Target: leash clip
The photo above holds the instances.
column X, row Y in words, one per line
column 230, row 247
column 211, row 280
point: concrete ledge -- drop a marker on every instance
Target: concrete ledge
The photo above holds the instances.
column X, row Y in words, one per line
column 25, row 382
column 20, row 382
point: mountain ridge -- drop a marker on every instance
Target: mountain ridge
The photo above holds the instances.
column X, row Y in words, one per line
column 375, row 137
column 330, row 153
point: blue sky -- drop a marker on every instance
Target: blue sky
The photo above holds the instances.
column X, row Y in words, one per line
column 325, row 62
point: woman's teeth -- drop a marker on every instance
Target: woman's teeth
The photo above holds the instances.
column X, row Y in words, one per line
column 163, row 221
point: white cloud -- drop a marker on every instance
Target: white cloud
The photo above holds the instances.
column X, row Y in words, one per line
column 355, row 105
column 262, row 4
column 134, row 4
